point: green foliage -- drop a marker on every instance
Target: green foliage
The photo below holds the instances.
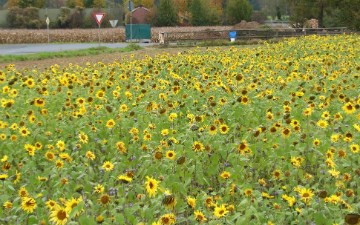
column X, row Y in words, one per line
column 167, row 13
column 265, row 27
column 70, row 3
column 24, row 18
column 198, row 15
column 238, row 10
column 152, row 16
column 203, row 14
column 88, row 3
column 31, row 3
column 255, row 4
column 349, row 14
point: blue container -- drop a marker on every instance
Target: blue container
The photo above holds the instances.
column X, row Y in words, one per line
column 232, row 34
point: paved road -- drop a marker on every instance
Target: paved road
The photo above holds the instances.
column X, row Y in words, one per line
column 22, row 49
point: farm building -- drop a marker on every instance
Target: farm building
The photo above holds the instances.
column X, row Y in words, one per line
column 139, row 14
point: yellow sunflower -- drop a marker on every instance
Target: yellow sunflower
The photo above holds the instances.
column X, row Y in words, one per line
column 28, row 204
column 199, row 216
column 224, row 129
column 108, row 166
column 225, row 175
column 170, row 155
column 59, row 215
column 220, row 211
column 197, row 146
column 151, row 186
column 349, row 108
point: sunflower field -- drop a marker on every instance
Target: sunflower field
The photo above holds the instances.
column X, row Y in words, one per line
column 268, row 135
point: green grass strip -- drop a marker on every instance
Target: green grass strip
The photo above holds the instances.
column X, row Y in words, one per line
column 67, row 54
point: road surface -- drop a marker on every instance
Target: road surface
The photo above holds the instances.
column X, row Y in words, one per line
column 22, row 49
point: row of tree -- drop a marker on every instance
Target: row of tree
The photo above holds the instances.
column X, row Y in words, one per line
column 329, row 13
column 199, row 12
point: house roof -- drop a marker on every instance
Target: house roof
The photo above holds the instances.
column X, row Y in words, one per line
column 140, row 6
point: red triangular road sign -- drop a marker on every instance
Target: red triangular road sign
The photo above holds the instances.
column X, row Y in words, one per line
column 99, row 17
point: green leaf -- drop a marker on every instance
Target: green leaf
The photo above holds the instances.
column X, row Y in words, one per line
column 11, row 187
column 319, row 218
column 243, row 203
column 241, row 221
column 119, row 218
column 215, row 159
column 234, row 217
column 32, row 220
column 77, row 209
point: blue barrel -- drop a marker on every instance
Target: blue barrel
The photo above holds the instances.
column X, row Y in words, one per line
column 232, row 34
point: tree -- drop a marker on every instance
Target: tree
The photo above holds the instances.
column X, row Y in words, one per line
column 213, row 14
column 13, row 3
column 255, row 4
column 54, row 4
column 98, row 4
column 181, row 5
column 198, row 14
column 349, row 14
column 167, row 13
column 238, row 10
column 152, row 16
column 70, row 3
column 217, row 4
column 147, row 3
column 275, row 8
column 316, row 7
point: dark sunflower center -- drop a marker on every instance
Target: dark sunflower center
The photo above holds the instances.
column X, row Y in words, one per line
column 305, row 195
column 151, row 185
column 170, row 155
column 30, row 203
column 221, row 212
column 104, row 199
column 61, row 215
column 73, row 205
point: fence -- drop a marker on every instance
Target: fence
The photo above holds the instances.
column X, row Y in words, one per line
column 250, row 34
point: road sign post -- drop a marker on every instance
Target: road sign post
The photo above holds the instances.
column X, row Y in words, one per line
column 130, row 7
column 113, row 24
column 99, row 17
column 48, row 22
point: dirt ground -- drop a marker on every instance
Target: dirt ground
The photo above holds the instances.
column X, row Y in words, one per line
column 104, row 58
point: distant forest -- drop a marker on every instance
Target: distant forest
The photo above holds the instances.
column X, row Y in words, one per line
column 328, row 13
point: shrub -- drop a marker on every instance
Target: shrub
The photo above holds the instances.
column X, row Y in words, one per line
column 258, row 17
column 90, row 21
column 24, row 18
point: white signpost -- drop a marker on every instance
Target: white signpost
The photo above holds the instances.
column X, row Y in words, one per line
column 130, row 7
column 113, row 24
column 48, row 22
column 99, row 17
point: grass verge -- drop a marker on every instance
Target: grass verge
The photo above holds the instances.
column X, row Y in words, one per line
column 251, row 42
column 67, row 54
